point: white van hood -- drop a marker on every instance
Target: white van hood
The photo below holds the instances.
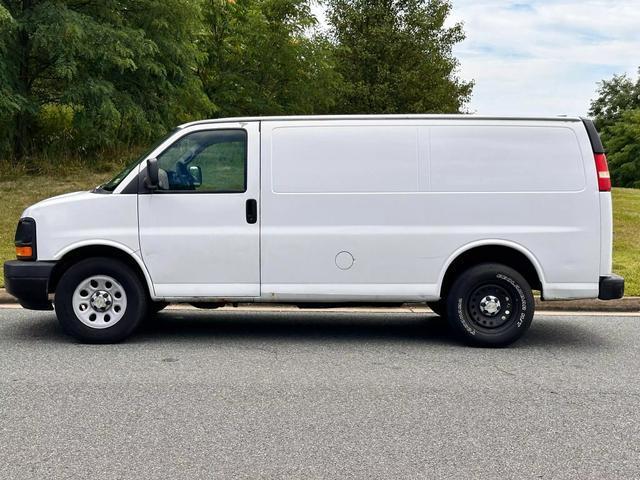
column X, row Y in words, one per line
column 77, row 219
column 57, row 200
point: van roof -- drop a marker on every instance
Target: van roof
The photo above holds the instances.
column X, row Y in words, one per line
column 559, row 118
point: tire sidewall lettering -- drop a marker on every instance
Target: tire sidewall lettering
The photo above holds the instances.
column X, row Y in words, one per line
column 463, row 304
column 463, row 318
column 523, row 299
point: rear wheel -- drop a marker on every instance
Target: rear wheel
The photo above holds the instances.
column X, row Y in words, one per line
column 490, row 305
column 100, row 300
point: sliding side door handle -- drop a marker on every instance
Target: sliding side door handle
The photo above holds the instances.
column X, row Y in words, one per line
column 252, row 211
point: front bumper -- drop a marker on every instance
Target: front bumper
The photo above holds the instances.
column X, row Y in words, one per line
column 611, row 287
column 29, row 283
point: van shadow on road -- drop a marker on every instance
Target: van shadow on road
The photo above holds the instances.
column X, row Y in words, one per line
column 310, row 327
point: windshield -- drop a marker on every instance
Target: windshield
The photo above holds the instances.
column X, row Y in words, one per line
column 112, row 184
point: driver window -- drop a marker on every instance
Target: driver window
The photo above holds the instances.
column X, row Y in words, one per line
column 210, row 161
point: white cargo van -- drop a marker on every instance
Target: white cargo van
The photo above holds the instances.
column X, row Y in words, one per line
column 468, row 214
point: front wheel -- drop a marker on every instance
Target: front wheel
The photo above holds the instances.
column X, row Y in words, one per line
column 100, row 300
column 490, row 305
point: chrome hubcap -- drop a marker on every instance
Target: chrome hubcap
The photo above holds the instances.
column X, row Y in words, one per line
column 490, row 306
column 99, row 301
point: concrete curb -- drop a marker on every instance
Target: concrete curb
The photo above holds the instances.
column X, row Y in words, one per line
column 5, row 297
column 627, row 304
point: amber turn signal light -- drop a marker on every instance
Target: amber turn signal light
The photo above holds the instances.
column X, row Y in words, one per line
column 24, row 252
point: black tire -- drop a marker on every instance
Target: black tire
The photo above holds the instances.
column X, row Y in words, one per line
column 439, row 307
column 155, row 307
column 134, row 293
column 475, row 315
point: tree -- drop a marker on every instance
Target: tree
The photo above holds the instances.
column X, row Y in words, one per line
column 10, row 101
column 265, row 58
column 83, row 76
column 622, row 140
column 616, row 112
column 615, row 97
column 88, row 75
column 395, row 56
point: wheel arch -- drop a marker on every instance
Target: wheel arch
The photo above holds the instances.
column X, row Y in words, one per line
column 75, row 253
column 505, row 252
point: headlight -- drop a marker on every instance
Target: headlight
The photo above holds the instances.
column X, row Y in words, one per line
column 26, row 239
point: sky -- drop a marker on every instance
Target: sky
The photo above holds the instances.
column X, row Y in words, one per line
column 544, row 57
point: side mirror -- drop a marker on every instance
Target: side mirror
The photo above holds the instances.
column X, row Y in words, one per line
column 196, row 175
column 151, row 180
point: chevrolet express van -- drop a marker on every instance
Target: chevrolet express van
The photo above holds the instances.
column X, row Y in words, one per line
column 468, row 214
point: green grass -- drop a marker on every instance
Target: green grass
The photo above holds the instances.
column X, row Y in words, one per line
column 19, row 192
column 626, row 237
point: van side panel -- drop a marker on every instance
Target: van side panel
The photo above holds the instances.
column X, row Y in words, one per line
column 314, row 218
column 480, row 158
column 373, row 232
column 345, row 159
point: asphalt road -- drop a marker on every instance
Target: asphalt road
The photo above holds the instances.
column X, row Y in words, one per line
column 319, row 395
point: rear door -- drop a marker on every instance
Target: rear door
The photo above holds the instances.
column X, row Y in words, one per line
column 199, row 232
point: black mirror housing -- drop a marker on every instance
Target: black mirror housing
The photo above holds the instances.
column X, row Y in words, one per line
column 151, row 180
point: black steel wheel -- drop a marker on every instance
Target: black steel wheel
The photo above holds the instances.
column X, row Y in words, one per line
column 490, row 305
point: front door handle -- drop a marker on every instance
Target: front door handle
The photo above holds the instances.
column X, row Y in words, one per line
column 252, row 211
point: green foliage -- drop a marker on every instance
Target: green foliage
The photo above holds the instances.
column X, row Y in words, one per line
column 616, row 112
column 55, row 123
column 615, row 97
column 395, row 56
column 125, row 69
column 263, row 58
column 622, row 139
column 85, row 77
column 10, row 102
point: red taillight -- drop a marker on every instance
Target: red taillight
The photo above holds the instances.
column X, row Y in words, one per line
column 602, row 169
